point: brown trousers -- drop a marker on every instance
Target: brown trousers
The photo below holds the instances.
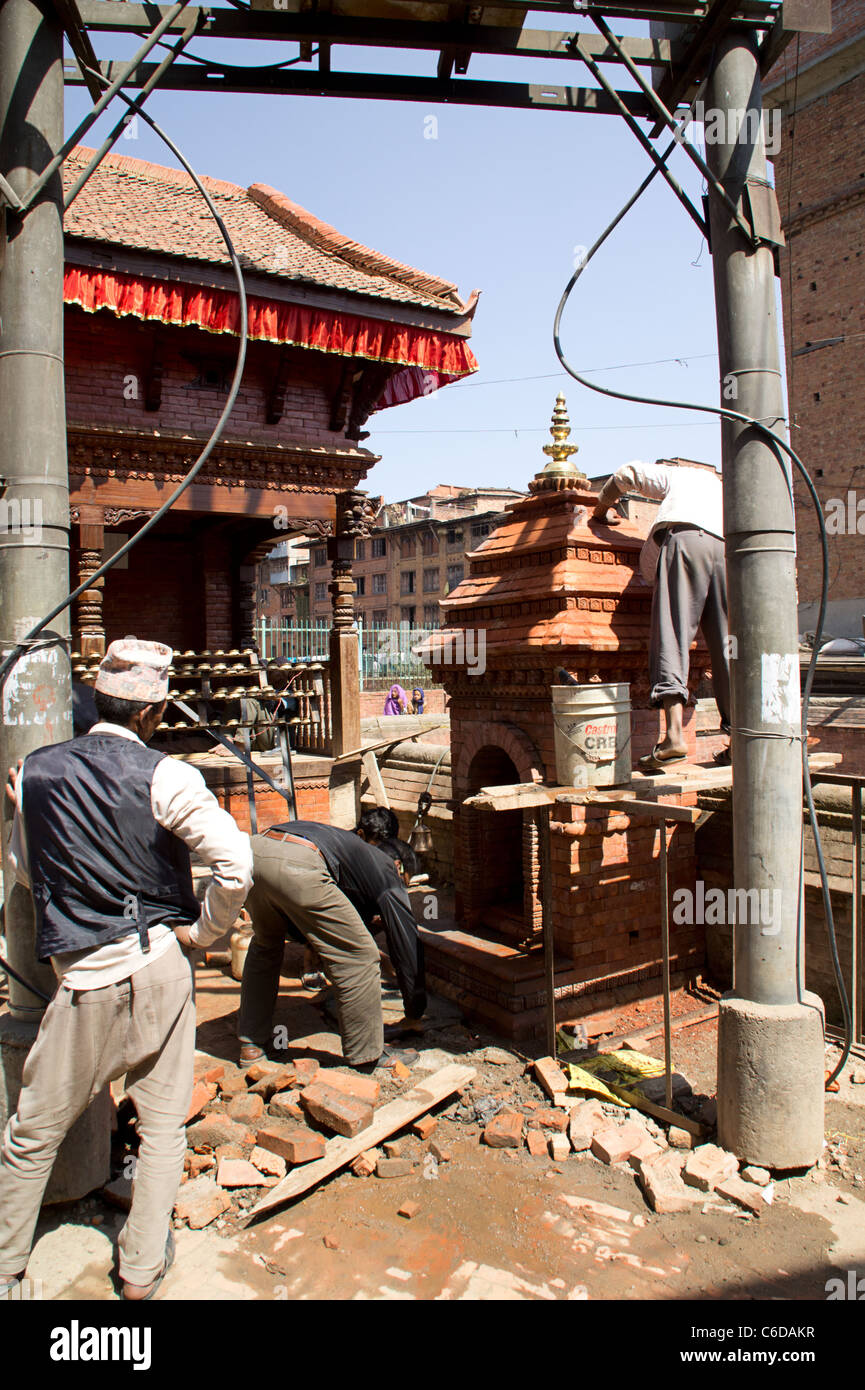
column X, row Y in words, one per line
column 292, row 886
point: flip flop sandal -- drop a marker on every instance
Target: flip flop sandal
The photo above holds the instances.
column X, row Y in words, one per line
column 652, row 763
column 169, row 1261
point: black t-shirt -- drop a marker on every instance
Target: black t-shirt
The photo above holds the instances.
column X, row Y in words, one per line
column 368, row 878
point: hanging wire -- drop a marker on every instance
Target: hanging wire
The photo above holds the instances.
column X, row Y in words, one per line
column 768, row 433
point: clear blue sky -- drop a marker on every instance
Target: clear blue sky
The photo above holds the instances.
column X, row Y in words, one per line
column 497, row 202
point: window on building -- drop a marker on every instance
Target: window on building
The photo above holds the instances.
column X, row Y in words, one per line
column 454, row 536
column 379, row 615
column 285, row 598
column 430, row 615
column 407, row 615
column 406, row 547
column 359, row 548
column 379, row 583
column 407, row 582
column 430, row 581
column 430, row 543
column 480, row 529
column 379, row 547
column 320, row 556
column 360, row 583
column 263, row 596
column 455, row 574
column 320, row 592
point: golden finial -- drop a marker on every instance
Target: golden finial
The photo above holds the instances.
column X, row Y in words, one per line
column 559, row 473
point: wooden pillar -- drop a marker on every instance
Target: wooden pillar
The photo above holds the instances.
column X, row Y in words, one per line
column 351, row 521
column 90, row 634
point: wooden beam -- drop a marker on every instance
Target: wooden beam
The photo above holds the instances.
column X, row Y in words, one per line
column 214, row 498
column 388, row 1120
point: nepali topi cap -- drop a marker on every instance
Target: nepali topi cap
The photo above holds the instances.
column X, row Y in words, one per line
column 133, row 669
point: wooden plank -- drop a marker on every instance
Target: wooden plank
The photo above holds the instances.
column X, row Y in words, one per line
column 389, row 742
column 391, row 1118
column 369, row 763
column 658, row 809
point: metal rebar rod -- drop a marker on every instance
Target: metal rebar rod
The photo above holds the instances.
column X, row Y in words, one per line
column 665, row 951
column 114, row 135
column 96, row 111
column 856, row 914
column 646, row 143
column 670, row 120
column 542, row 821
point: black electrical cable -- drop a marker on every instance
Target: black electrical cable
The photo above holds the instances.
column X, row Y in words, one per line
column 26, row 642
column 241, row 67
column 812, row 665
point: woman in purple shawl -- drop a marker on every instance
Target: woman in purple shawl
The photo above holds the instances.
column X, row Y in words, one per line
column 397, row 701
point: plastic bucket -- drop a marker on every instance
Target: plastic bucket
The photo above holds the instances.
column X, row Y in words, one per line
column 593, row 734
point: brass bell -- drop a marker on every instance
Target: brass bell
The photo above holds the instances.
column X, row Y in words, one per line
column 421, row 839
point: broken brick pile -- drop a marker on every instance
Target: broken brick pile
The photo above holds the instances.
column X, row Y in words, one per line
column 246, row 1129
column 674, row 1168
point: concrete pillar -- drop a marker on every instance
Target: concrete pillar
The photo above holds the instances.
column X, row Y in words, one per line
column 770, row 1035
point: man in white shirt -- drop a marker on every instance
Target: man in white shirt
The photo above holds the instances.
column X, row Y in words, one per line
column 683, row 557
column 102, row 835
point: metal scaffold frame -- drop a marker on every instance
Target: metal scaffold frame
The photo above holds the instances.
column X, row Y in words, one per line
column 722, row 46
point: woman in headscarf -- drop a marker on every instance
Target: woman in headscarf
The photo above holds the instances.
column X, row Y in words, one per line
column 397, row 701
column 417, row 699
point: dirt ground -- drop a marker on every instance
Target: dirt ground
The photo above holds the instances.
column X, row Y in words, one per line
column 492, row 1224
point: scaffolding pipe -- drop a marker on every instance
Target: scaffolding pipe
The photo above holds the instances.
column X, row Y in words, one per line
column 34, row 534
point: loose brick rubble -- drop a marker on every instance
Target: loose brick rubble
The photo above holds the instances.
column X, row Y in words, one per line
column 504, row 1131
column 745, row 1194
column 292, row 1142
column 344, row 1114
column 708, row 1166
column 536, row 1142
column 238, row 1172
column 200, row 1201
column 616, row 1144
column 218, row 1129
column 662, row 1183
column 560, row 1147
column 203, row 1092
column 393, row 1167
column 246, row 1109
column 409, row 1210
column 549, row 1119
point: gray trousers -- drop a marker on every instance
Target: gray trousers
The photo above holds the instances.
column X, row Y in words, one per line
column 143, row 1027
column 690, row 592
column 292, row 886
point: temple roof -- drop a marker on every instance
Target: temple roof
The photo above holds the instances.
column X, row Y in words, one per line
column 147, row 207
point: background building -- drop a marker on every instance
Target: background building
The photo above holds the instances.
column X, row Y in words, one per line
column 819, row 86
column 414, row 555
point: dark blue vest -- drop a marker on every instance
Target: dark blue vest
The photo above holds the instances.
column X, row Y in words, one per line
column 101, row 865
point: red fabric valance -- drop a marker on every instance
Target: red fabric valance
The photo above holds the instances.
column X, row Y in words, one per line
column 429, row 359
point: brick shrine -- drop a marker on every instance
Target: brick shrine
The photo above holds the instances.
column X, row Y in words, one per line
column 552, row 587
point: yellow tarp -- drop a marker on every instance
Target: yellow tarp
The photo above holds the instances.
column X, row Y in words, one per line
column 612, row 1076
